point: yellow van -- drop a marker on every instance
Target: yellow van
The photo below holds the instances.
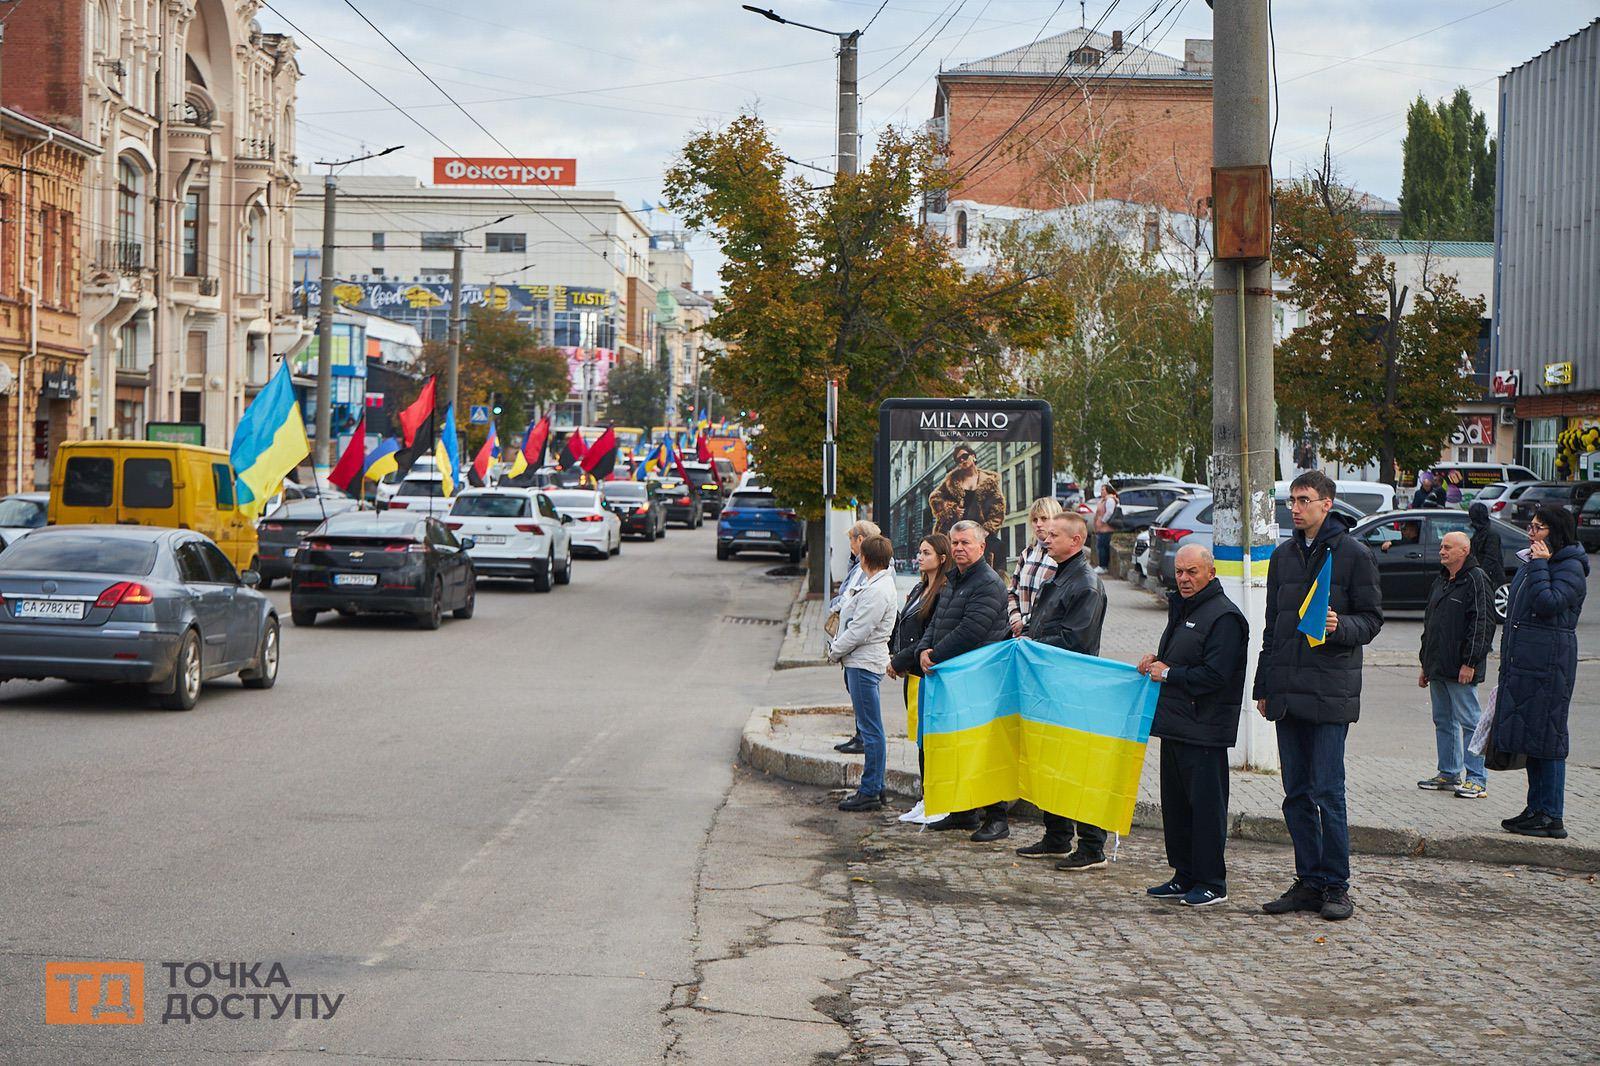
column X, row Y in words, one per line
column 151, row 483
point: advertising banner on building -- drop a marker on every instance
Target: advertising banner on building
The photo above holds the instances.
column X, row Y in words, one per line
column 940, row 461
column 473, row 170
column 387, row 297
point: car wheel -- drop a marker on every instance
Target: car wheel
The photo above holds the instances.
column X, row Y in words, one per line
column 185, row 676
column 722, row 551
column 564, row 575
column 545, row 581
column 616, row 549
column 1502, row 601
column 663, row 529
column 794, row 555
column 265, row 582
column 466, row 609
column 303, row 618
column 434, row 615
column 265, row 674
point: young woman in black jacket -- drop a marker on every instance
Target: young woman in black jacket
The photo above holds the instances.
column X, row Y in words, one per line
column 933, row 561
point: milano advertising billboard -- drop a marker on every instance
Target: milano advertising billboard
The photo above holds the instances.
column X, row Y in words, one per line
column 940, row 461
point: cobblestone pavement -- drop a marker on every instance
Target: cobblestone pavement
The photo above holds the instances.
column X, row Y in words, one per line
column 976, row 956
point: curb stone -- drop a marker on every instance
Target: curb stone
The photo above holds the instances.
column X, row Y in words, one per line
column 760, row 749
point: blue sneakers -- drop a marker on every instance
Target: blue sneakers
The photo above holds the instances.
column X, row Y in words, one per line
column 1202, row 897
column 1173, row 889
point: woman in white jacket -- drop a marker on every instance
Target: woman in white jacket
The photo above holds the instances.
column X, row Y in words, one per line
column 866, row 618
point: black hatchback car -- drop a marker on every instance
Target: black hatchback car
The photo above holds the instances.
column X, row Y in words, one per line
column 382, row 562
column 634, row 502
column 1406, row 546
column 1572, row 495
column 278, row 534
column 679, row 499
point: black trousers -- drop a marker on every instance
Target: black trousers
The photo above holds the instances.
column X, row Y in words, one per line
column 1194, row 813
column 1091, row 838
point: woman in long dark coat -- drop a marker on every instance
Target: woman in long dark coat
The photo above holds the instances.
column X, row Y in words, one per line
column 1538, row 664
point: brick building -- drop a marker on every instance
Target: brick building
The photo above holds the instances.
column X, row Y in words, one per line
column 1075, row 118
column 41, row 342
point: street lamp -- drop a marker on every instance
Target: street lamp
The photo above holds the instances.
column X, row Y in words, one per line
column 325, row 306
column 849, row 105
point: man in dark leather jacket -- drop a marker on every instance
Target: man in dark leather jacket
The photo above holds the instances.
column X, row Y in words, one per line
column 1069, row 613
column 971, row 614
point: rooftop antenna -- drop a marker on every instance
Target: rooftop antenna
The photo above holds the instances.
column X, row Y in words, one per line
column 1083, row 13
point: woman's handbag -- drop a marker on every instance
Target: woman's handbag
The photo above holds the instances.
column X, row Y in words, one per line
column 831, row 626
column 1493, row 757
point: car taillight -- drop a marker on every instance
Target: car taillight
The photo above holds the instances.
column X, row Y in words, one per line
column 124, row 592
column 317, row 545
column 728, row 512
column 273, row 527
column 1497, row 506
column 529, row 527
column 785, row 512
column 593, row 518
column 453, row 525
column 1170, row 533
column 412, row 547
column 643, row 508
column 398, row 505
column 685, row 500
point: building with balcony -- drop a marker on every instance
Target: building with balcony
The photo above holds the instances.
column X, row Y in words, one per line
column 187, row 208
column 42, row 172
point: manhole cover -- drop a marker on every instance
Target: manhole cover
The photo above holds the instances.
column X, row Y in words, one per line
column 746, row 620
column 787, row 571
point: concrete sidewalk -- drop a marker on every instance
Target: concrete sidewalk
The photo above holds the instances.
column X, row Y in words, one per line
column 1389, row 815
column 803, row 636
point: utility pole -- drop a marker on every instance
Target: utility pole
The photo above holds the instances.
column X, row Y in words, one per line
column 1243, row 416
column 458, row 246
column 849, row 103
column 326, row 306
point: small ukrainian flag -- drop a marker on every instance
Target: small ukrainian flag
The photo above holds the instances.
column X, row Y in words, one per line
column 1314, row 608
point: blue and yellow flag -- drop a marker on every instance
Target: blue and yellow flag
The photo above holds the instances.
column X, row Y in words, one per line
column 269, row 443
column 447, row 453
column 1019, row 719
column 1314, row 608
column 381, row 461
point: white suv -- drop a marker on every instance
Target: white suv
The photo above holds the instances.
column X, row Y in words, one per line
column 516, row 533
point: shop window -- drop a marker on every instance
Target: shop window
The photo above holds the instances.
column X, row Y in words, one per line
column 961, row 229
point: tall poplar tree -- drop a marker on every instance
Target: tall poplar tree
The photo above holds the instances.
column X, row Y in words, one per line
column 1447, row 172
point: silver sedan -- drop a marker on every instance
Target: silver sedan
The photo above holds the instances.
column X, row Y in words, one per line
column 162, row 608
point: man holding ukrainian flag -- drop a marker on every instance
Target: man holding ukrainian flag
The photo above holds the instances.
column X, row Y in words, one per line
column 1323, row 606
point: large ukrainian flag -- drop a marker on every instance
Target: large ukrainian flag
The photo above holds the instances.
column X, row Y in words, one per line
column 1023, row 720
column 269, row 442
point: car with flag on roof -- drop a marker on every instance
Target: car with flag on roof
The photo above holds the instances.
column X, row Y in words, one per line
column 635, row 505
column 678, row 498
column 514, row 533
column 280, row 531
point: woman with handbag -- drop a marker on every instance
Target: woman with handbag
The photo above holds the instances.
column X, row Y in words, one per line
column 1538, row 664
column 856, row 534
column 933, row 563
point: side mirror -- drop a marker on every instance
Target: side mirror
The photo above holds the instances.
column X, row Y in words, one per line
column 250, row 578
column 566, row 520
column 469, row 542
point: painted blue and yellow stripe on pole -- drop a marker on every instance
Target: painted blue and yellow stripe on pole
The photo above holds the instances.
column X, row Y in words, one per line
column 1230, row 560
column 1023, row 720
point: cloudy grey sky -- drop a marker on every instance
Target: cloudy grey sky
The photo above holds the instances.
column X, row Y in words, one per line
column 619, row 84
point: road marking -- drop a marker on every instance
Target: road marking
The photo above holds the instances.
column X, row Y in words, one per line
column 410, row 926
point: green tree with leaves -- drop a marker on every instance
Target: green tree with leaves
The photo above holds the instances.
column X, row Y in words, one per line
column 1378, row 370
column 501, row 357
column 636, row 395
column 1447, row 172
column 839, row 282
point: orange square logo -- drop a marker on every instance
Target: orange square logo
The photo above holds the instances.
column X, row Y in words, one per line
column 94, row 993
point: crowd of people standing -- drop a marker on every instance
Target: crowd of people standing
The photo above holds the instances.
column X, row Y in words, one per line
column 1309, row 688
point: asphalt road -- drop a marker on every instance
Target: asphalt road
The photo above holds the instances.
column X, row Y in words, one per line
column 487, row 838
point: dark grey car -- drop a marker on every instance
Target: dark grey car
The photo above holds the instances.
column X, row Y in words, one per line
column 136, row 604
column 278, row 535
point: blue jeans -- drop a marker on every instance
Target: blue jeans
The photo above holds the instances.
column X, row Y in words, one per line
column 1312, row 756
column 1455, row 716
column 863, row 686
column 1102, row 549
column 1547, row 786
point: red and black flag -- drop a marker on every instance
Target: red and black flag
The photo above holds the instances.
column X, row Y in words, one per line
column 412, row 417
column 530, row 457
column 572, row 450
column 422, row 443
column 601, row 457
column 702, row 447
column 348, row 470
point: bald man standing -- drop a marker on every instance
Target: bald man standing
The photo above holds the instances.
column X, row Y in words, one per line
column 1200, row 664
column 1457, row 633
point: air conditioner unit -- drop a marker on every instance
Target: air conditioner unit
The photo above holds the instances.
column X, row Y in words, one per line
column 1508, row 416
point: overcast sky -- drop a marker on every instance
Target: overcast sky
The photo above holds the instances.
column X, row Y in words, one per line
column 620, row 84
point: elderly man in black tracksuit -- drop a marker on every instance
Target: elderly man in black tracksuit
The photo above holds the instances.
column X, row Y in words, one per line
column 1200, row 664
column 969, row 615
column 1313, row 693
column 1069, row 613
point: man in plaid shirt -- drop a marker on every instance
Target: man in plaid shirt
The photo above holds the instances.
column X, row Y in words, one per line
column 1034, row 567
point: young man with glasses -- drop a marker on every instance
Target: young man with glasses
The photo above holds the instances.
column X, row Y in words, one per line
column 1313, row 690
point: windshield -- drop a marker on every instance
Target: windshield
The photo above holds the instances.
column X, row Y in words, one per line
column 573, row 500
column 624, row 491
column 491, row 507
column 1365, row 502
column 752, row 499
column 369, row 524
column 1548, row 492
column 416, row 486
column 80, row 553
column 21, row 513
